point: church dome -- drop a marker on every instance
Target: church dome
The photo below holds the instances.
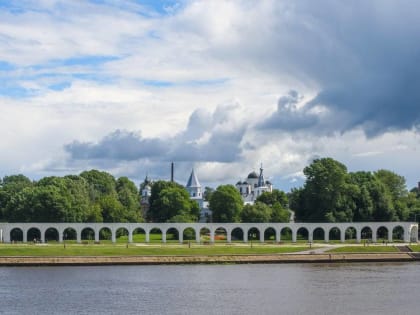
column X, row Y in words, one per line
column 252, row 175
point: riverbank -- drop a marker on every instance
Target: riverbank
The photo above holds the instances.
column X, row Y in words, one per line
column 206, row 259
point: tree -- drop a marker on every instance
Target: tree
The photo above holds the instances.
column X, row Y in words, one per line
column 279, row 214
column 394, row 183
column 276, row 196
column 258, row 212
column 226, row 204
column 170, row 201
column 11, row 197
column 325, row 196
column 208, row 191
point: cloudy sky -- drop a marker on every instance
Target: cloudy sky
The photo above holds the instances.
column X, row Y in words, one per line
column 221, row 86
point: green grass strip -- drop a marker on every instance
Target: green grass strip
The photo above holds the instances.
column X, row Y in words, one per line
column 415, row 248
column 363, row 249
column 143, row 250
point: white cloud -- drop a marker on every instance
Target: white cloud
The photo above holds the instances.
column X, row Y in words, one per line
column 148, row 72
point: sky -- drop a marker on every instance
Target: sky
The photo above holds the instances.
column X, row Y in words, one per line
column 219, row 86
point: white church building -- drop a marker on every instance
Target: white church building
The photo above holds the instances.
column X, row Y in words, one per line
column 253, row 186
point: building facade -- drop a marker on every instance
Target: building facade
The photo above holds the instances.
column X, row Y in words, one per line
column 253, row 186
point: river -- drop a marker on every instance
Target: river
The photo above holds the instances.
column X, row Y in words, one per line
column 380, row 288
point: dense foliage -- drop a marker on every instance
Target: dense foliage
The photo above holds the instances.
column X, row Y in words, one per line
column 331, row 194
column 170, row 202
column 226, row 204
column 93, row 196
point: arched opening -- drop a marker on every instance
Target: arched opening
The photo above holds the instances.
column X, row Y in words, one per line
column 220, row 235
column 122, row 235
column 88, row 235
column 51, row 235
column 334, row 234
column 286, row 234
column 270, row 235
column 105, row 235
column 253, row 234
column 188, row 234
column 34, row 235
column 204, row 235
column 351, row 235
column 16, row 235
column 302, row 234
column 382, row 234
column 366, row 234
column 139, row 235
column 237, row 235
column 318, row 235
column 398, row 234
column 70, row 235
column 172, row 235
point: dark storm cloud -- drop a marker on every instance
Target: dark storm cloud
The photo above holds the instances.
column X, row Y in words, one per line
column 221, row 144
column 288, row 116
column 363, row 56
column 119, row 145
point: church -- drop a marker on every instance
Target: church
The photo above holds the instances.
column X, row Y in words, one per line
column 253, row 186
column 250, row 188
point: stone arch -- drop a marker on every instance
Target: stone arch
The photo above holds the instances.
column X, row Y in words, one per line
column 205, row 236
column 16, row 235
column 351, row 234
column 237, row 235
column 188, row 234
column 253, row 234
column 366, row 233
column 105, row 234
column 139, row 235
column 318, row 234
column 220, row 234
column 172, row 235
column 302, row 233
column 33, row 234
column 398, row 233
column 286, row 234
column 69, row 234
column 334, row 234
column 121, row 234
column 87, row 234
column 382, row 234
column 51, row 235
column 270, row 234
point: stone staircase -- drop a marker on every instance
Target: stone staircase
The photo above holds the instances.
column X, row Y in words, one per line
column 404, row 248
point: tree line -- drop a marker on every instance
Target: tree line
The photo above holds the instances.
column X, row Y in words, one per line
column 92, row 196
column 330, row 194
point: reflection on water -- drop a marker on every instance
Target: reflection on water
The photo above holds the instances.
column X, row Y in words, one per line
column 213, row 289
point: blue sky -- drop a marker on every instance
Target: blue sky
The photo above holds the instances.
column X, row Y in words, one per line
column 221, row 86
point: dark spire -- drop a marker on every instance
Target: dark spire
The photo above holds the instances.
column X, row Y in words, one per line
column 261, row 181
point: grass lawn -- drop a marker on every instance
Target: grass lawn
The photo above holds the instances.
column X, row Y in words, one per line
column 363, row 249
column 133, row 249
column 415, row 248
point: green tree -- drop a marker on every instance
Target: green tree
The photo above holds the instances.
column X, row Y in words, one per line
column 258, row 212
column 170, row 201
column 276, row 196
column 325, row 195
column 226, row 204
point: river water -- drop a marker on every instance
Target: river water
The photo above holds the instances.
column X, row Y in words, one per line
column 388, row 288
